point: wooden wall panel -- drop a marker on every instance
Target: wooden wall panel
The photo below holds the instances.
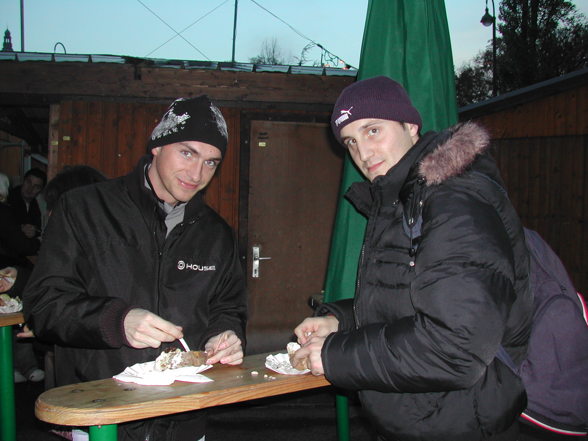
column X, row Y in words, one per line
column 547, row 181
column 542, row 149
column 11, row 160
column 108, row 158
column 77, row 133
column 95, row 132
column 125, row 81
column 64, row 133
column 126, row 155
column 581, row 109
column 562, row 114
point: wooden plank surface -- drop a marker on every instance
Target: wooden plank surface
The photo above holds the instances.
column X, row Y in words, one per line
column 111, row 402
column 13, row 318
column 121, row 81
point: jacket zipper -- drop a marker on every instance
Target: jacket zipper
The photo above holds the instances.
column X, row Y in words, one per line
column 158, row 256
column 369, row 229
column 361, row 258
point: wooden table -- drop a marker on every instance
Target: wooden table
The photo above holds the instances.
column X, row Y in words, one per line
column 102, row 404
column 7, row 413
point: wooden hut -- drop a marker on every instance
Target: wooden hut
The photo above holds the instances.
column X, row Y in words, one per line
column 277, row 185
column 540, row 134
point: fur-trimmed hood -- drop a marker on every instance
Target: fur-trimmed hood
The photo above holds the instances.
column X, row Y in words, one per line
column 436, row 157
column 456, row 154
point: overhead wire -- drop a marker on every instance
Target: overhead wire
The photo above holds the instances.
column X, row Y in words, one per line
column 332, row 56
column 186, row 28
column 179, row 34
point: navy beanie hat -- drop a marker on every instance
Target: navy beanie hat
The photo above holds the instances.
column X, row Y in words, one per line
column 191, row 119
column 378, row 97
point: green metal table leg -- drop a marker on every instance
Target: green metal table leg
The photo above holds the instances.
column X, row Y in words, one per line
column 342, row 405
column 107, row 432
column 7, row 413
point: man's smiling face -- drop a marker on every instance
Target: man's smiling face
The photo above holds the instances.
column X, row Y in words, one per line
column 182, row 169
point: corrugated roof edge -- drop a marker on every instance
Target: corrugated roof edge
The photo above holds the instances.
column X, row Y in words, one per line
column 524, row 94
column 176, row 64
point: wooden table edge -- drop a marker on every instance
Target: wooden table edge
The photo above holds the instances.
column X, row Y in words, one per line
column 70, row 416
column 11, row 318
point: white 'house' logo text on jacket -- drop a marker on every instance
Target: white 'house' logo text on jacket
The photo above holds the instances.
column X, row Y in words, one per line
column 194, row 267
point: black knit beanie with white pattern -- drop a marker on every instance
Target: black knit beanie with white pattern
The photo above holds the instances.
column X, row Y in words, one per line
column 191, row 119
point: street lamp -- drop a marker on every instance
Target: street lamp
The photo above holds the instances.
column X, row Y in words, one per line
column 234, row 31
column 490, row 20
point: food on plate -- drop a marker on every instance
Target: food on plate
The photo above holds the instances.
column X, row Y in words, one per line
column 173, row 358
column 10, row 304
column 300, row 365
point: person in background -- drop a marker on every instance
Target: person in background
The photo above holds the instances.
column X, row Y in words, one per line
column 26, row 365
column 14, row 279
column 22, row 200
column 15, row 246
column 70, row 177
column 131, row 265
column 443, row 279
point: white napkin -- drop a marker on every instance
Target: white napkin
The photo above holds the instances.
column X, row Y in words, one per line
column 11, row 305
column 280, row 363
column 145, row 373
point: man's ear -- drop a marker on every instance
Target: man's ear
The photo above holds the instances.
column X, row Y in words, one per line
column 412, row 128
column 155, row 150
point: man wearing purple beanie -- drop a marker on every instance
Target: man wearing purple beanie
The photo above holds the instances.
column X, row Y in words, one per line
column 443, row 279
column 131, row 265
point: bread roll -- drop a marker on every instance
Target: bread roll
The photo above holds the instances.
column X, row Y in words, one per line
column 300, row 365
column 173, row 358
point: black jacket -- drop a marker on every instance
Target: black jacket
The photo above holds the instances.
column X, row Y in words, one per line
column 14, row 245
column 23, row 214
column 105, row 252
column 430, row 313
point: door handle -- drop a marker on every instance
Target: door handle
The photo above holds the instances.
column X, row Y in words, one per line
column 256, row 260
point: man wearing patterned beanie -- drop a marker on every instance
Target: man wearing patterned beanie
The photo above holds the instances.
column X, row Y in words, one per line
column 131, row 265
column 443, row 279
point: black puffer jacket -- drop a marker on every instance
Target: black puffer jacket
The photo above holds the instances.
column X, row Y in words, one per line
column 430, row 313
column 105, row 252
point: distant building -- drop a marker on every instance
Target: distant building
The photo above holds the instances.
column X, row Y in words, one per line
column 7, row 46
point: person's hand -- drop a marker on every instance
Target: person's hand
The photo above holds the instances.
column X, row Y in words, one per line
column 7, row 278
column 310, row 355
column 311, row 334
column 316, row 326
column 144, row 329
column 225, row 348
column 29, row 230
column 25, row 333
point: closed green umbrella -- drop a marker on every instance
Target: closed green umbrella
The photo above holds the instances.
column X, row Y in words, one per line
column 407, row 40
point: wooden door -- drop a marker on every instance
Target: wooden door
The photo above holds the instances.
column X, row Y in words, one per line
column 294, row 177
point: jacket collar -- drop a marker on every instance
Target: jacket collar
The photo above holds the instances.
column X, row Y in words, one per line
column 146, row 198
column 456, row 154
